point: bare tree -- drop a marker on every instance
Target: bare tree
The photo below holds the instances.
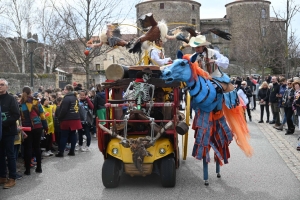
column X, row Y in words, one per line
column 294, row 53
column 46, row 22
column 1, row 7
column 18, row 14
column 6, row 44
column 291, row 10
column 83, row 19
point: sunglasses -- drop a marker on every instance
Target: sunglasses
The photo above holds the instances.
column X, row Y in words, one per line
column 243, row 84
column 289, row 83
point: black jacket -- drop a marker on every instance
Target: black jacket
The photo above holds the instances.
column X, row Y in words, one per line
column 264, row 93
column 286, row 101
column 99, row 101
column 10, row 114
column 275, row 90
column 69, row 108
column 251, row 85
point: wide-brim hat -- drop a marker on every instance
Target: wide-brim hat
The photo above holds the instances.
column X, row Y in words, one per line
column 198, row 41
column 296, row 82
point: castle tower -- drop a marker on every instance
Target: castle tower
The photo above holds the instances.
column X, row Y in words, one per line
column 175, row 13
column 172, row 11
column 249, row 21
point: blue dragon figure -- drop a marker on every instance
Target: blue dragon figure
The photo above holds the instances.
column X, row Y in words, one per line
column 218, row 114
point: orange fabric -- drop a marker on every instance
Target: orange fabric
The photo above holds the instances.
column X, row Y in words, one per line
column 236, row 121
column 196, row 70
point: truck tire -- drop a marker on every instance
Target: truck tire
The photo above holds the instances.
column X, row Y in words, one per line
column 168, row 172
column 110, row 173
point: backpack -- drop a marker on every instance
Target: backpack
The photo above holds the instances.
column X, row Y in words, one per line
column 99, row 102
column 86, row 117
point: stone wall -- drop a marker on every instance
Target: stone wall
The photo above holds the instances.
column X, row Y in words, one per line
column 217, row 42
column 16, row 81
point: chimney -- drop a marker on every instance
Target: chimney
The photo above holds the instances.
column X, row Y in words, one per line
column 35, row 36
column 28, row 35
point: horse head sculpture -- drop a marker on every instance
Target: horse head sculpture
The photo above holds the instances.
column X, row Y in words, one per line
column 179, row 71
column 202, row 89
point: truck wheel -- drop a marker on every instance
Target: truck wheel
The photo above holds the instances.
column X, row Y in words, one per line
column 110, row 173
column 168, row 172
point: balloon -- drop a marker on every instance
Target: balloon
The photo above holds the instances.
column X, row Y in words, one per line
column 86, row 52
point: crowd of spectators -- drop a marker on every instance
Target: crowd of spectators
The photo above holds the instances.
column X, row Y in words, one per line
column 46, row 122
column 275, row 92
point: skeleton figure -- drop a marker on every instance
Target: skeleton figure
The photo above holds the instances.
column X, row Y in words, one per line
column 141, row 90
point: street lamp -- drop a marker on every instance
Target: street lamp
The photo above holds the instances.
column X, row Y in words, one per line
column 31, row 41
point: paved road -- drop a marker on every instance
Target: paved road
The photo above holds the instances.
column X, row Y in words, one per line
column 272, row 173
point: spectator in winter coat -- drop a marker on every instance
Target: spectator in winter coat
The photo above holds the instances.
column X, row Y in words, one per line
column 274, row 95
column 282, row 89
column 9, row 114
column 33, row 116
column 254, row 91
column 86, row 128
column 287, row 101
column 69, row 119
column 263, row 97
column 249, row 95
column 56, row 121
column 49, row 111
column 296, row 103
column 99, row 102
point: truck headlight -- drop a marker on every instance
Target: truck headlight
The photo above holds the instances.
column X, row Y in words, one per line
column 115, row 151
column 162, row 151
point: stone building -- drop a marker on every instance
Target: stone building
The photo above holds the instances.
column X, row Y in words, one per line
column 248, row 21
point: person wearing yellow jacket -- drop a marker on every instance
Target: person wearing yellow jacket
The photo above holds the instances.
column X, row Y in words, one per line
column 48, row 109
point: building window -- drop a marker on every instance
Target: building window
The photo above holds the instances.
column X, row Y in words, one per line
column 225, row 51
column 214, row 36
column 162, row 6
column 263, row 31
column 193, row 7
column 263, row 13
column 193, row 21
column 98, row 67
column 62, row 76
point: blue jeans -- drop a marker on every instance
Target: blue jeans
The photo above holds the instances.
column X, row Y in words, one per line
column 7, row 151
column 64, row 136
column 16, row 150
column 84, row 131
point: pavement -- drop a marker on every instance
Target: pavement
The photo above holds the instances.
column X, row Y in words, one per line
column 285, row 145
column 271, row 173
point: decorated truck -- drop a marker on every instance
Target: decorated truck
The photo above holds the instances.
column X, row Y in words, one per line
column 139, row 136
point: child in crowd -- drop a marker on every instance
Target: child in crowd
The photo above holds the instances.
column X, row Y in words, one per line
column 48, row 109
column 85, row 103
